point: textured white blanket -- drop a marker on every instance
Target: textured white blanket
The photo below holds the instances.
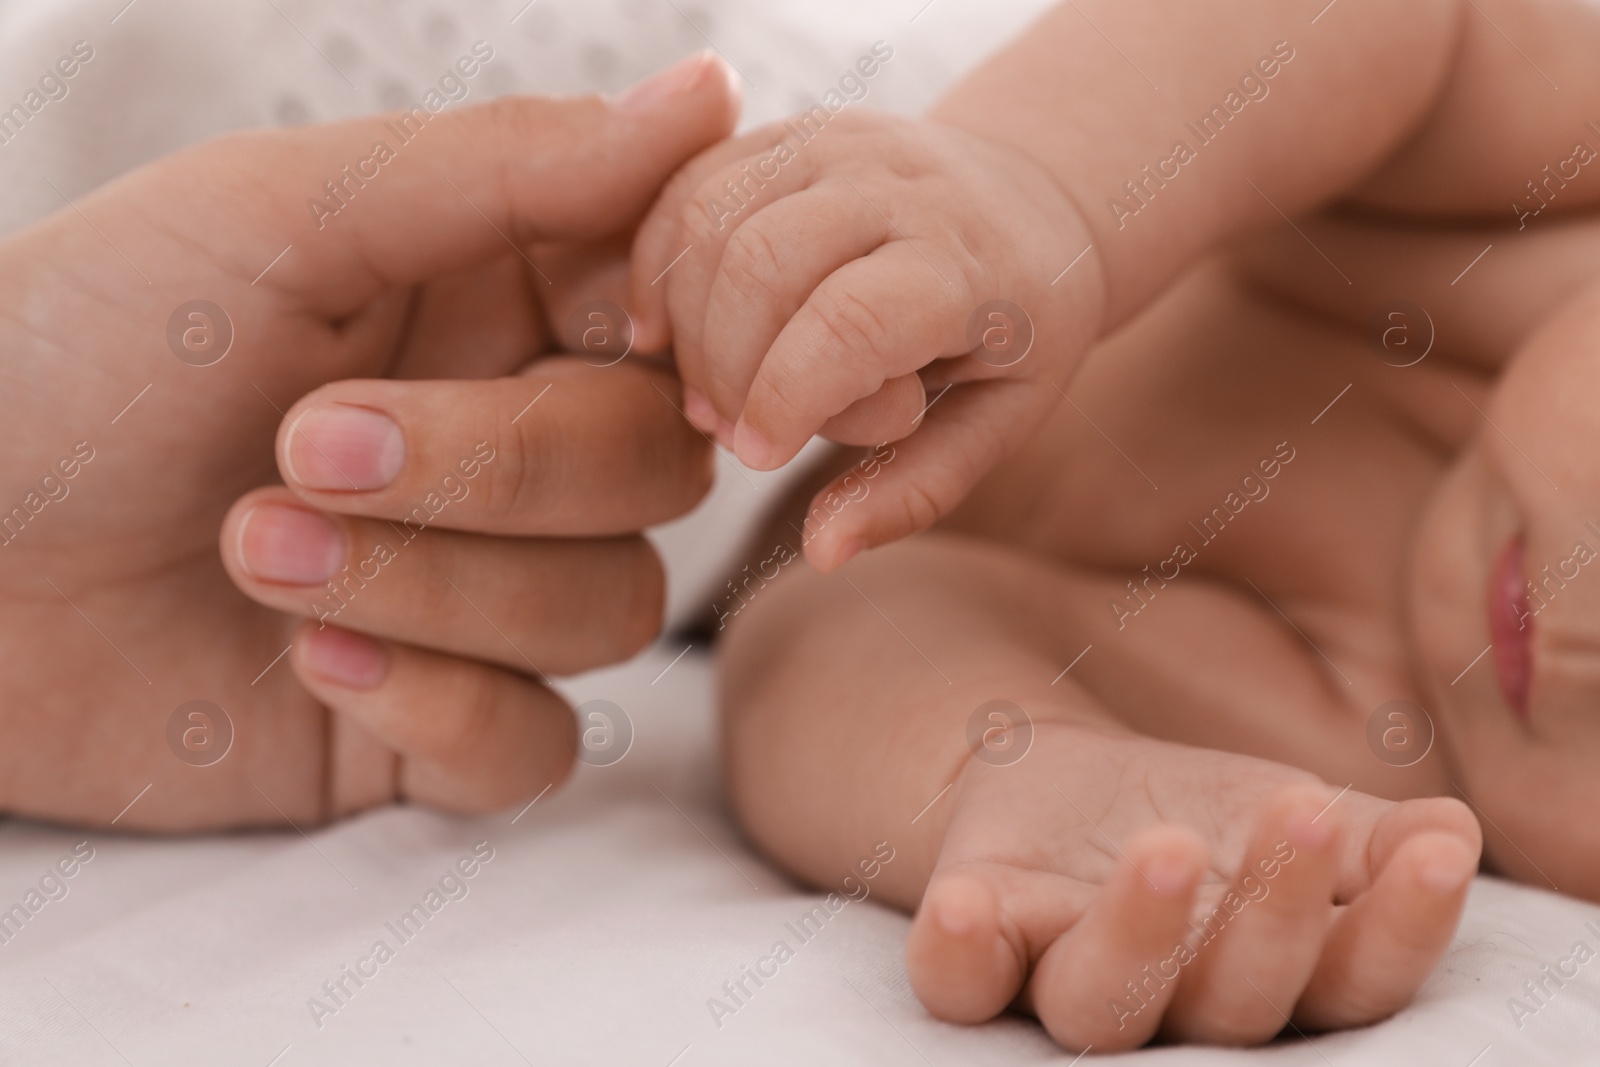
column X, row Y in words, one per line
column 600, row 931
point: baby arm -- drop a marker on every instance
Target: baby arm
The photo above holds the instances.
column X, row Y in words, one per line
column 1438, row 109
column 1255, row 113
column 834, row 273
column 1055, row 858
column 837, row 272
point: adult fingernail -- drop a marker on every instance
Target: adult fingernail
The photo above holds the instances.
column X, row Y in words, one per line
column 665, row 84
column 344, row 447
column 753, row 450
column 345, row 658
column 289, row 545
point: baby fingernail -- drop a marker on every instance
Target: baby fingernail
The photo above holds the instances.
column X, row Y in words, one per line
column 1169, row 874
column 753, row 450
column 1444, row 878
column 956, row 917
column 1310, row 833
column 849, row 550
column 697, row 408
column 345, row 658
column 343, row 447
column 289, row 545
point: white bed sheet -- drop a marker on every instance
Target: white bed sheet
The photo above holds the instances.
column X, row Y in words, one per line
column 611, row 913
column 614, row 910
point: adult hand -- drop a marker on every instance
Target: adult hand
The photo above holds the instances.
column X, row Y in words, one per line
column 460, row 250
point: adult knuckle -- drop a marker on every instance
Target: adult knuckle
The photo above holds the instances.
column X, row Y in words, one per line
column 514, row 120
column 521, row 469
column 558, row 124
column 509, row 115
column 425, row 572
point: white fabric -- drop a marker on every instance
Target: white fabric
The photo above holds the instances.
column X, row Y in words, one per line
column 613, row 911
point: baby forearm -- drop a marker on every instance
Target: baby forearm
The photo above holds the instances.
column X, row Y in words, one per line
column 848, row 703
column 1179, row 127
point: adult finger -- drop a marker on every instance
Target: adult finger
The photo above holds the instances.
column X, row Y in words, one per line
column 484, row 321
column 449, row 189
column 296, row 296
column 536, row 605
column 470, row 737
column 566, row 449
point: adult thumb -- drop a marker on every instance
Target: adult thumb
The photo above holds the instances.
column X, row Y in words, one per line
column 395, row 199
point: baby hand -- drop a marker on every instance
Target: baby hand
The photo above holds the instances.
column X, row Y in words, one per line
column 834, row 274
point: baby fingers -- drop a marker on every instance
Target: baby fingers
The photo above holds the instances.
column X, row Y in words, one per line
column 1256, row 948
column 1387, row 942
column 1080, row 984
column 680, row 243
column 908, row 486
column 770, row 265
column 889, row 314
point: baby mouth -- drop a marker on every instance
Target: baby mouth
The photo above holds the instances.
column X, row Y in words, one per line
column 1511, row 627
